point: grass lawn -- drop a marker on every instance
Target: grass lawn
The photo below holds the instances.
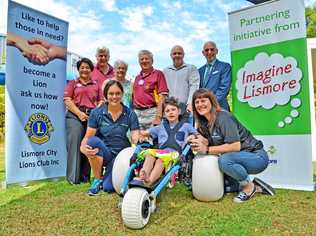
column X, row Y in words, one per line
column 57, row 208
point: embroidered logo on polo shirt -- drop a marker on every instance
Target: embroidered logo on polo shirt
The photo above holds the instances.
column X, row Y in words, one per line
column 38, row 128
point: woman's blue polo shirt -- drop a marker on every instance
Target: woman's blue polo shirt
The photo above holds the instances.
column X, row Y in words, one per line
column 113, row 133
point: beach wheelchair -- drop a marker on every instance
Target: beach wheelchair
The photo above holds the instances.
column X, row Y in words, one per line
column 138, row 201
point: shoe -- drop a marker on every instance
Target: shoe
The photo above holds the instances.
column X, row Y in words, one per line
column 85, row 179
column 24, row 184
column 95, row 187
column 172, row 181
column 242, row 196
column 187, row 183
column 70, row 182
column 266, row 188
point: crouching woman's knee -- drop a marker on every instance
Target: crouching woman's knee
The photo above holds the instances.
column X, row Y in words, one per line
column 100, row 149
column 224, row 162
column 94, row 142
column 89, row 148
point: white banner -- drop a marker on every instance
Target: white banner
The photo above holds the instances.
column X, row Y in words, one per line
column 35, row 80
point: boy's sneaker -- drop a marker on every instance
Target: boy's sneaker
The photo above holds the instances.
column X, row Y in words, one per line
column 172, row 181
column 95, row 187
column 266, row 188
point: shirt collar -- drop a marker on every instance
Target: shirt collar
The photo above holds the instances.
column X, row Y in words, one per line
column 78, row 81
column 172, row 67
column 106, row 111
column 150, row 72
column 110, row 70
column 211, row 64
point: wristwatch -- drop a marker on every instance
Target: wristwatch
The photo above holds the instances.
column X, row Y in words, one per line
column 208, row 150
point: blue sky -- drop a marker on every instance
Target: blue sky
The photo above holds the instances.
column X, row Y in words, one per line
column 126, row 27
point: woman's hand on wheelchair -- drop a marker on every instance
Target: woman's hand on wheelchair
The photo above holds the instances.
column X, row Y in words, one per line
column 195, row 138
column 198, row 143
column 198, row 147
column 190, row 138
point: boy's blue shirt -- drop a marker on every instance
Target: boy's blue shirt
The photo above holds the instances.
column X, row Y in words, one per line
column 181, row 136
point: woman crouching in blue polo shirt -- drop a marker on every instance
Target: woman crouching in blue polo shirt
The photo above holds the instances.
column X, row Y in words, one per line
column 106, row 135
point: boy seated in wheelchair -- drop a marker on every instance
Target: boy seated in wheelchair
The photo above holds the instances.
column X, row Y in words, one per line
column 172, row 135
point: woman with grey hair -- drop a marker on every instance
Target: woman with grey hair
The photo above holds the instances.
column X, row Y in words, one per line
column 120, row 69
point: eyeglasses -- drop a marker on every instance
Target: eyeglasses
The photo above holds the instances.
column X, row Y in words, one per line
column 209, row 49
column 177, row 53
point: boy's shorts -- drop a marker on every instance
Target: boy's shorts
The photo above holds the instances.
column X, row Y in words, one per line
column 168, row 158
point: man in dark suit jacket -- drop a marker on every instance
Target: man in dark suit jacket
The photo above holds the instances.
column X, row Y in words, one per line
column 215, row 75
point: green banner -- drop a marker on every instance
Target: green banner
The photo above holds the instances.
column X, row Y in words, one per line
column 278, row 105
column 271, row 94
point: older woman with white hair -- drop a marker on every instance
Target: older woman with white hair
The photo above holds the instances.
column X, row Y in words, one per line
column 120, row 69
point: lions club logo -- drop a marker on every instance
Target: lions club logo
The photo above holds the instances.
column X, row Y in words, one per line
column 38, row 128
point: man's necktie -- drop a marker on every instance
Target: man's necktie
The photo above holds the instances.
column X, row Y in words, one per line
column 207, row 74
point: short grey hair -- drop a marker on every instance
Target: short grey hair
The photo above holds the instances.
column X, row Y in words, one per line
column 211, row 42
column 120, row 62
column 145, row 52
column 176, row 46
column 102, row 49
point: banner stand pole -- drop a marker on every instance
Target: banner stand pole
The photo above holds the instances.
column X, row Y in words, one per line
column 4, row 185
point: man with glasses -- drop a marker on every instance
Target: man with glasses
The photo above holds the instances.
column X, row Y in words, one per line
column 182, row 79
column 215, row 75
column 102, row 70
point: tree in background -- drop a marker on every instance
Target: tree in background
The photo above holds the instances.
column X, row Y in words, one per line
column 310, row 14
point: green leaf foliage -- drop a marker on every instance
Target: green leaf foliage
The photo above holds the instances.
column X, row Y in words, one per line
column 310, row 14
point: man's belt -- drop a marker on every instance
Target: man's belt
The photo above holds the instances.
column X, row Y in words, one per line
column 144, row 108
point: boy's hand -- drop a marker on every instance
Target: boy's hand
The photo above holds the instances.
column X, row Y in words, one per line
column 142, row 136
column 143, row 132
column 156, row 120
column 142, row 139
